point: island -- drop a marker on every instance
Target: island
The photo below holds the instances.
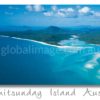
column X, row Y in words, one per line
column 53, row 34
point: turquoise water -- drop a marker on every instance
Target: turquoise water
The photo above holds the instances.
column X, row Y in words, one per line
column 29, row 62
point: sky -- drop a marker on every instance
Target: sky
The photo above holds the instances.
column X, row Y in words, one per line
column 49, row 15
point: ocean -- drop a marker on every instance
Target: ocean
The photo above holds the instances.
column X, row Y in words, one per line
column 29, row 62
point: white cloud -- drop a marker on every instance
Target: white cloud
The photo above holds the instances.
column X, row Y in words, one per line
column 59, row 13
column 88, row 11
column 84, row 10
column 63, row 12
column 69, row 10
column 54, row 8
column 48, row 13
column 29, row 7
column 66, row 12
column 38, row 8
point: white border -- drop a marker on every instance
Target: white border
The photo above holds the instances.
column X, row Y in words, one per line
column 79, row 93
column 14, row 2
column 45, row 90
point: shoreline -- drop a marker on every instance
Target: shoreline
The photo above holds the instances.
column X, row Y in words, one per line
column 44, row 43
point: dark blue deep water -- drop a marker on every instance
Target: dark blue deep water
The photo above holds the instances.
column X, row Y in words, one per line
column 24, row 62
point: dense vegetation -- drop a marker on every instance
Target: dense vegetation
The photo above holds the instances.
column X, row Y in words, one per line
column 54, row 34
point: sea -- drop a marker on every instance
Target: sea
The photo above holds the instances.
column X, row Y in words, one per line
column 30, row 62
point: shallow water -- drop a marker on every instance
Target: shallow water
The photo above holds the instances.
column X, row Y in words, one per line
column 34, row 63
